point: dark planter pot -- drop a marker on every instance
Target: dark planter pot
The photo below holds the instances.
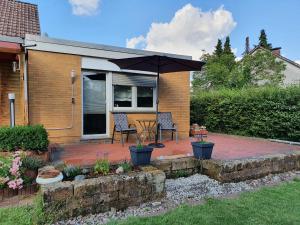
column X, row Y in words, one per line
column 140, row 157
column 202, row 150
column 31, row 173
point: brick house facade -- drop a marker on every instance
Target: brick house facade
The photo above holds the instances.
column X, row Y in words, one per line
column 57, row 102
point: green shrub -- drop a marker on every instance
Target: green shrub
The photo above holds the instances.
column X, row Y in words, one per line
column 267, row 112
column 24, row 137
column 72, row 171
column 102, row 167
column 32, row 163
column 126, row 166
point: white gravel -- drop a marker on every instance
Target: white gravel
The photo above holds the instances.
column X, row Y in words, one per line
column 189, row 190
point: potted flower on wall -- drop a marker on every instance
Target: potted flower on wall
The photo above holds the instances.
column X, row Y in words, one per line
column 201, row 148
column 140, row 153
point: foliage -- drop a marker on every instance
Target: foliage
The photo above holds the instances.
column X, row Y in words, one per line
column 276, row 205
column 268, row 112
column 219, row 48
column 139, row 146
column 179, row 173
column 27, row 215
column 102, row 167
column 32, row 163
column 263, row 40
column 24, row 138
column 71, row 171
column 222, row 70
column 5, row 164
column 126, row 166
column 261, row 68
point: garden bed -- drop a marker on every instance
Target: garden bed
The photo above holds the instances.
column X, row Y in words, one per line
column 74, row 198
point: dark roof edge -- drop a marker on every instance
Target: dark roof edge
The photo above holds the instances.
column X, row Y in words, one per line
column 37, row 38
column 12, row 39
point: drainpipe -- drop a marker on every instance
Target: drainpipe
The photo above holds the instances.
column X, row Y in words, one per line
column 25, row 58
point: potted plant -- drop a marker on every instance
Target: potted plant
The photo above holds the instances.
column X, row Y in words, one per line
column 140, row 154
column 201, row 148
column 31, row 166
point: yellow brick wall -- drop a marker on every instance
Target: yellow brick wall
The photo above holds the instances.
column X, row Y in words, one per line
column 50, row 96
column 49, row 84
column 174, row 97
column 10, row 82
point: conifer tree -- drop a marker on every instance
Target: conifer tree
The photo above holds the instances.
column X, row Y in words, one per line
column 219, row 48
column 263, row 40
column 227, row 46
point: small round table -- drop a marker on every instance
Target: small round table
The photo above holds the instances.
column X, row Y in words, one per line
column 148, row 126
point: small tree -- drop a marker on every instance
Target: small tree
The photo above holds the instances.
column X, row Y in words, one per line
column 263, row 40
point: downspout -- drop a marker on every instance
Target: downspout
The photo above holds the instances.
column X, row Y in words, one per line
column 26, row 92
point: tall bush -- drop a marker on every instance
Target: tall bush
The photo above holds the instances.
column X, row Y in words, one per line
column 268, row 112
column 24, row 137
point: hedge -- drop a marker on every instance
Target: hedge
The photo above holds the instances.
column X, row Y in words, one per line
column 24, row 137
column 266, row 112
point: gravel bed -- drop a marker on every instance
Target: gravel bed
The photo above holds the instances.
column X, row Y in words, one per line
column 190, row 190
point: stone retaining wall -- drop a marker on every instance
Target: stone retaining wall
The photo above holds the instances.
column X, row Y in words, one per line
column 251, row 168
column 177, row 166
column 231, row 170
column 69, row 199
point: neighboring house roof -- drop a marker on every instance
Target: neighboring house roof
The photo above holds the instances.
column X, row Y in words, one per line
column 18, row 18
column 276, row 55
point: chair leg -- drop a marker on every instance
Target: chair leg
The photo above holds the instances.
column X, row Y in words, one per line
column 113, row 136
column 127, row 136
column 172, row 135
column 122, row 139
column 160, row 135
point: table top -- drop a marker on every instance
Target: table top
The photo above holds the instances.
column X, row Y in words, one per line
column 146, row 120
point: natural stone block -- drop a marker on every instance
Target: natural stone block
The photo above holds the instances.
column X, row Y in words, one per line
column 59, row 191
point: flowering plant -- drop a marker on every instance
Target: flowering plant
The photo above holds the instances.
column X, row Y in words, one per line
column 10, row 172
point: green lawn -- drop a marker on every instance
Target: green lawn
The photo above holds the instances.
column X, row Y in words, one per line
column 278, row 205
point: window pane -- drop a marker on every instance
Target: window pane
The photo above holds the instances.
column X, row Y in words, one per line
column 145, row 97
column 122, row 96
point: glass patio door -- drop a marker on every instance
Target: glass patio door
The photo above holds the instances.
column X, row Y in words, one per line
column 94, row 104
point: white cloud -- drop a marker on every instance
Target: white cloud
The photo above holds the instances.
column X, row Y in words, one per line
column 297, row 61
column 189, row 32
column 135, row 41
column 84, row 7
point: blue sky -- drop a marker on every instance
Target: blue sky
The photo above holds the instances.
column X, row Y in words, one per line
column 113, row 22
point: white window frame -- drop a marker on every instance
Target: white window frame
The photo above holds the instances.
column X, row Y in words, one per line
column 134, row 107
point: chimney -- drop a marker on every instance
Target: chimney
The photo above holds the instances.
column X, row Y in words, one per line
column 276, row 51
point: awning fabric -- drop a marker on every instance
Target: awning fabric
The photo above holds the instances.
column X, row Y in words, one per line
column 8, row 47
column 133, row 80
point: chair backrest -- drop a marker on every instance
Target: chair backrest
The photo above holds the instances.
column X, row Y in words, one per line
column 121, row 121
column 165, row 120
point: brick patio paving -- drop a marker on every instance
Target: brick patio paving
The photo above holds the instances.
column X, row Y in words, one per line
column 226, row 147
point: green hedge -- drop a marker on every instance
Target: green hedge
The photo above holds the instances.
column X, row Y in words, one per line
column 266, row 112
column 24, row 137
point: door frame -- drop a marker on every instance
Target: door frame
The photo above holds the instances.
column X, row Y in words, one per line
column 108, row 86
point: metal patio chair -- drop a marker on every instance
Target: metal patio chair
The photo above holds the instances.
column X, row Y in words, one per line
column 165, row 123
column 122, row 126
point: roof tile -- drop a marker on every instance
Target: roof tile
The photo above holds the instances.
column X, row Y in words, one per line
column 18, row 18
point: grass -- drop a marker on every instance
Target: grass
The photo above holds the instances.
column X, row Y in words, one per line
column 25, row 215
column 277, row 206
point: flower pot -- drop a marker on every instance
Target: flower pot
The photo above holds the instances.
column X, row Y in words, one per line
column 142, row 156
column 31, row 173
column 202, row 150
